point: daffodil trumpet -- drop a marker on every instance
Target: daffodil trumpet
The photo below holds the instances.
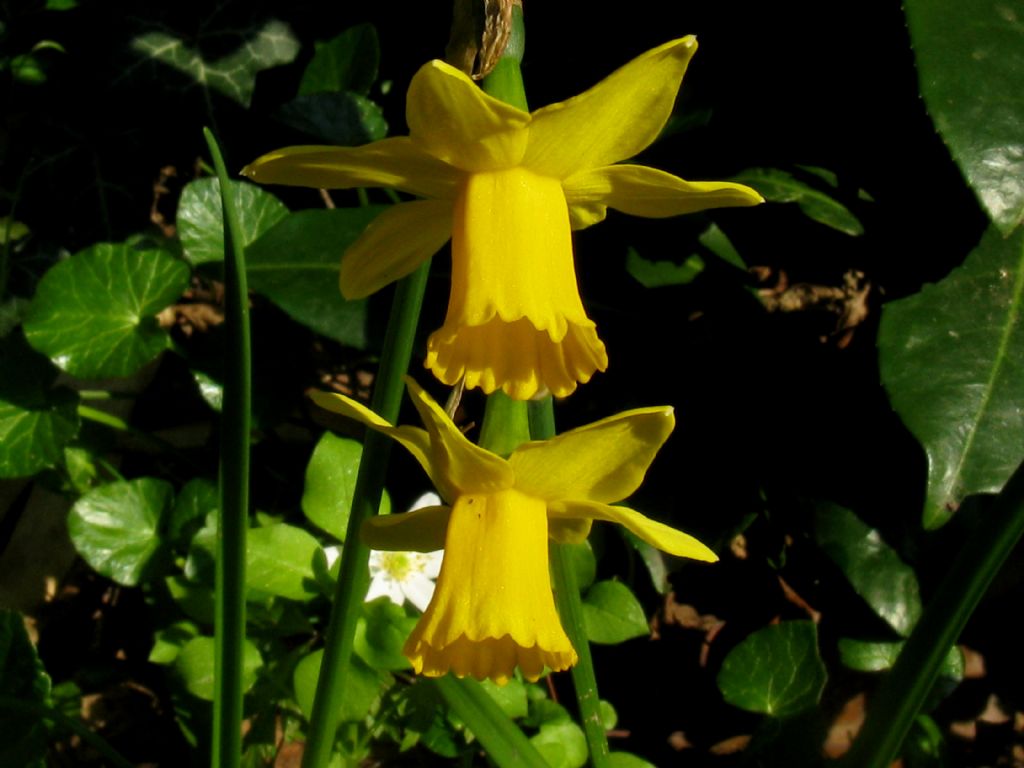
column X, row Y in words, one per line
column 507, row 187
column 493, row 608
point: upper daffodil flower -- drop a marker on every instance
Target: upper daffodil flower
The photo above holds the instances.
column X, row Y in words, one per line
column 493, row 607
column 507, row 186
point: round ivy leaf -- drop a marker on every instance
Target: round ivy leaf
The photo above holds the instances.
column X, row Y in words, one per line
column 35, row 421
column 381, row 633
column 362, row 687
column 612, row 614
column 195, row 665
column 201, row 219
column 279, row 561
column 776, row 671
column 94, row 315
column 330, row 483
column 116, row 528
column 563, row 745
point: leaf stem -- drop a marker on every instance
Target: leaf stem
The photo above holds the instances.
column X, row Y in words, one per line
column 354, row 576
column 903, row 691
column 233, row 516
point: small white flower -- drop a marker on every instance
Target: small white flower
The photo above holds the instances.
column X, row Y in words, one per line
column 406, row 575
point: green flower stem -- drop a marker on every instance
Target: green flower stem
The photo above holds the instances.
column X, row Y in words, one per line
column 233, row 516
column 77, row 727
column 505, row 426
column 506, row 745
column 354, row 576
column 570, row 608
column 899, row 698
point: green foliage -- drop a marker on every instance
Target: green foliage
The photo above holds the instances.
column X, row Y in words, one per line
column 970, row 70
column 776, row 671
column 94, row 315
column 865, row 656
column 279, row 561
column 779, row 186
column 118, row 528
column 347, row 62
column 232, row 75
column 380, row 634
column 654, row 274
column 612, row 614
column 22, row 677
column 363, row 688
column 194, row 665
column 949, row 358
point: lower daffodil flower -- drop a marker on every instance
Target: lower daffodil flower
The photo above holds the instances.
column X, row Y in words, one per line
column 507, row 186
column 493, row 608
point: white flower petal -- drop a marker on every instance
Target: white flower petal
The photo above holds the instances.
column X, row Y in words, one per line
column 428, row 499
column 418, row 590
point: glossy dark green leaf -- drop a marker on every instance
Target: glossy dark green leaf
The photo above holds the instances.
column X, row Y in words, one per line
column 653, row 559
column 872, row 567
column 612, row 614
column 168, row 642
column 195, row 600
column 510, row 697
column 201, row 223
column 777, row 186
column 866, row 656
column 195, row 666
column 232, row 75
column 330, row 482
column 296, row 266
column 380, row 634
column 35, row 422
column 363, row 687
column 346, row 119
column 22, row 676
column 94, row 315
column 626, row 760
column 584, row 564
column 116, row 528
column 775, row 671
column 562, row 744
column 950, row 358
column 279, row 561
column 347, row 62
column 654, row 274
column 970, row 70
column 196, row 500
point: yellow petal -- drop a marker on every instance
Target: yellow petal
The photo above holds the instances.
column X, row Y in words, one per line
column 453, row 120
column 493, row 608
column 612, row 121
column 464, row 465
column 656, row 534
column 421, row 530
column 515, row 319
column 393, row 245
column 605, row 461
column 393, row 162
column 642, row 191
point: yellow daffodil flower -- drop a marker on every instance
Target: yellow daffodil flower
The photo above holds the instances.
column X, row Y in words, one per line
column 493, row 608
column 507, row 186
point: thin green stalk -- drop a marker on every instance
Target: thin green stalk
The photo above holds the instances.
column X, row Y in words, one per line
column 354, row 576
column 77, row 727
column 233, row 517
column 570, row 609
column 505, row 743
column 899, row 698
column 505, row 425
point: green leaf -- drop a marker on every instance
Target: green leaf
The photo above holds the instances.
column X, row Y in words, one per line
column 872, row 567
column 296, row 265
column 196, row 500
column 775, row 671
column 653, row 559
column 330, row 481
column 233, row 75
column 347, row 62
column 363, row 687
column 949, row 358
column 777, row 186
column 168, row 642
column 94, row 315
column 347, row 119
column 626, row 760
column 716, row 241
column 380, row 634
column 612, row 614
column 35, row 421
column 609, row 717
column 195, row 666
column 970, row 71
column 868, row 656
column 201, row 223
column 654, row 274
column 12, row 230
column 581, row 558
column 116, row 528
column 81, row 468
column 562, row 745
column 279, row 561
column 510, row 697
column 12, row 312
column 195, row 600
column 21, row 676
